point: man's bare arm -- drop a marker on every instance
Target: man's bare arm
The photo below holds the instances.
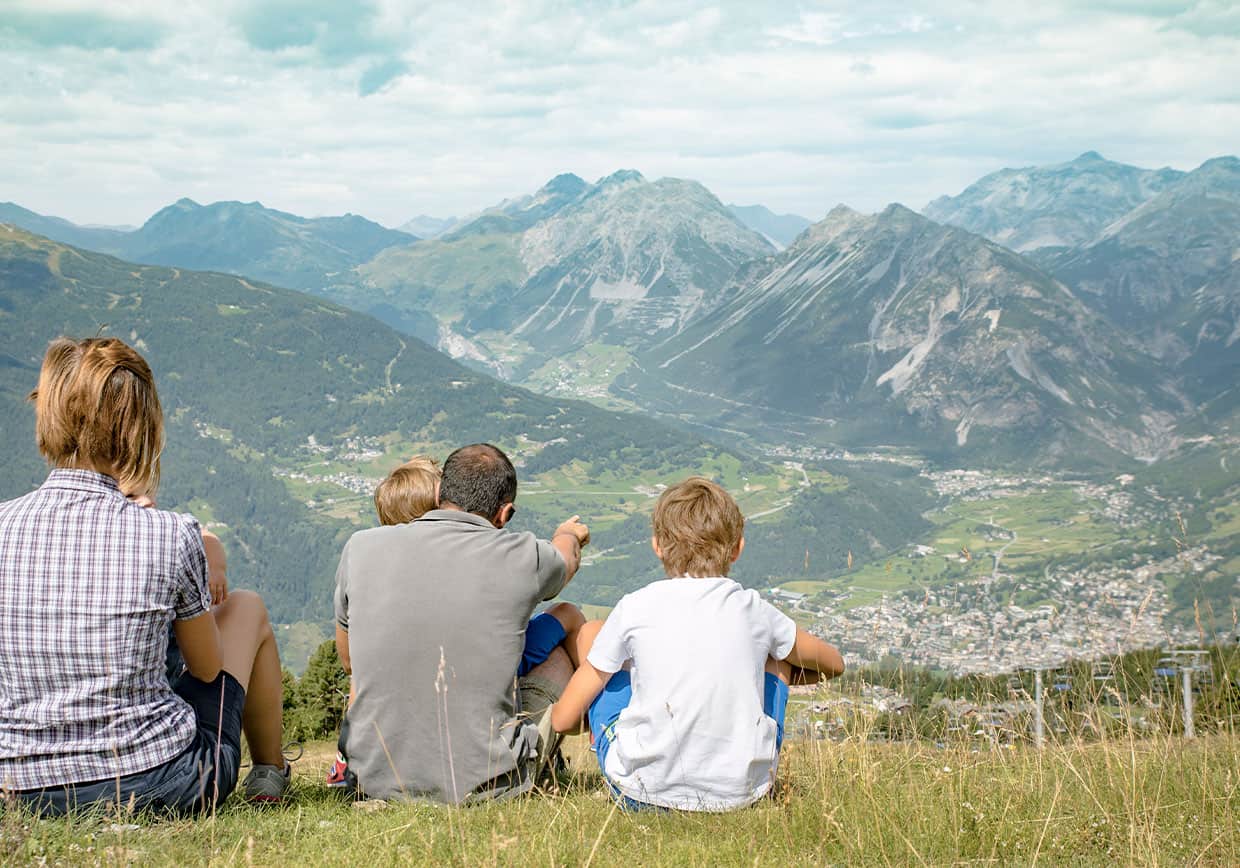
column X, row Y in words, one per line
column 342, row 649
column 569, row 539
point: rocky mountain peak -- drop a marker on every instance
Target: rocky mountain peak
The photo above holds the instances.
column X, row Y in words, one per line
column 621, row 178
column 1059, row 205
column 565, row 183
column 839, row 220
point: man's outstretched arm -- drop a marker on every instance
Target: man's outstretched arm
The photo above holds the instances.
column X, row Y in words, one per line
column 569, row 539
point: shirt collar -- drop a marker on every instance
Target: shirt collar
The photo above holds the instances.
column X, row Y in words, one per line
column 456, row 515
column 82, row 480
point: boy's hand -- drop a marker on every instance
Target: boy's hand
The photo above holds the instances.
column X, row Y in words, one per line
column 217, row 563
column 217, row 584
column 217, row 567
column 575, row 528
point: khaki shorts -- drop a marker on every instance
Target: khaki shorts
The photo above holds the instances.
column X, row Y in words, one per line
column 536, row 695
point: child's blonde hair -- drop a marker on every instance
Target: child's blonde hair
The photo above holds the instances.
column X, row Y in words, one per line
column 698, row 527
column 408, row 492
column 96, row 405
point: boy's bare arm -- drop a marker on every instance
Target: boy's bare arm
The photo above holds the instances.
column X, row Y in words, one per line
column 342, row 650
column 810, row 652
column 569, row 712
column 217, row 559
column 569, row 539
column 217, row 567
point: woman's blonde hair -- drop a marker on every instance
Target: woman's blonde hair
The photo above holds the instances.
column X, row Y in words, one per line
column 96, row 405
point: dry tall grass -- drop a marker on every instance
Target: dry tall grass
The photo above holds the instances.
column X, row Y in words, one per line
column 1134, row 800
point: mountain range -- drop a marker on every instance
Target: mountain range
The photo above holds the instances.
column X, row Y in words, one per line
column 1062, row 205
column 1168, row 272
column 260, row 383
column 623, row 260
column 1111, row 336
column 233, row 237
column 894, row 328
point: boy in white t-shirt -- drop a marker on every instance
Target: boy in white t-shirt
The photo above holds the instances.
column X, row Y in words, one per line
column 686, row 682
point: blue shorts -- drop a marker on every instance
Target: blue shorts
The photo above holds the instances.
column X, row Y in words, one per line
column 618, row 692
column 542, row 635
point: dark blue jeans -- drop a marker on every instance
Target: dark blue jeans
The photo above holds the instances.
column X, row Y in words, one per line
column 191, row 782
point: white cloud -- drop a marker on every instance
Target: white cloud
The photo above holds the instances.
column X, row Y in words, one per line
column 797, row 110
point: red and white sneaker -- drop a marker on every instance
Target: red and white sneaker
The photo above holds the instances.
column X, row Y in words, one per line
column 339, row 774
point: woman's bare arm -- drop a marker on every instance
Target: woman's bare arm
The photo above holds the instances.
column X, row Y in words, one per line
column 199, row 642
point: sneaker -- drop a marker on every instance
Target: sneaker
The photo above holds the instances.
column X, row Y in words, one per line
column 267, row 783
column 339, row 774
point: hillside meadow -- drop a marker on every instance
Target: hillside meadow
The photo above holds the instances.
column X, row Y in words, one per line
column 1158, row 801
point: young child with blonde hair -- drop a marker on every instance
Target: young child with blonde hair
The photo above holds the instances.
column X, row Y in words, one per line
column 686, row 682
column 406, row 494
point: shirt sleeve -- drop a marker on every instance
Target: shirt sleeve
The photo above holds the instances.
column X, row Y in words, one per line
column 552, row 571
column 342, row 589
column 610, row 650
column 192, row 596
column 783, row 630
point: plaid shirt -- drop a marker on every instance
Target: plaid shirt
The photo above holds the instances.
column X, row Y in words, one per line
column 89, row 583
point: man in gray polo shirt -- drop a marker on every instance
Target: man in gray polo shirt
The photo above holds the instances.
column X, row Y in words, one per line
column 431, row 620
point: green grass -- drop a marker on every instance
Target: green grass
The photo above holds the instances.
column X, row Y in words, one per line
column 1160, row 801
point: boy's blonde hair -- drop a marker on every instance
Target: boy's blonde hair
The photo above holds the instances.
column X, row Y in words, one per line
column 408, row 492
column 698, row 527
column 96, row 405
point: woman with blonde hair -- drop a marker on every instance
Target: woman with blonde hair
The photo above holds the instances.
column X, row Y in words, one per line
column 89, row 583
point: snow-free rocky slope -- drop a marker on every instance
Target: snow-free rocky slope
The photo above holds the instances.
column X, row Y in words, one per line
column 894, row 328
column 625, row 260
column 1169, row 273
column 1062, row 205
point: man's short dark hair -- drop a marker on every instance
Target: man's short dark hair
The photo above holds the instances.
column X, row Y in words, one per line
column 478, row 479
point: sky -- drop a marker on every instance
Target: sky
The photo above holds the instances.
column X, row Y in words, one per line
column 391, row 108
